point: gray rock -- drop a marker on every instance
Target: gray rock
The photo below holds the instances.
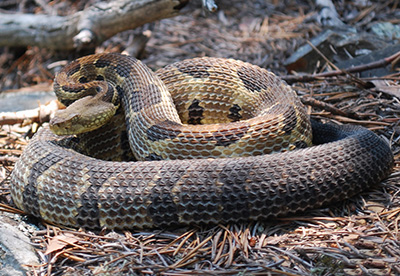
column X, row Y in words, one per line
column 17, row 101
column 15, row 250
column 386, row 30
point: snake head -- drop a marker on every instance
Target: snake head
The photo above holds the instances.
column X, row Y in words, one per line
column 64, row 123
column 84, row 115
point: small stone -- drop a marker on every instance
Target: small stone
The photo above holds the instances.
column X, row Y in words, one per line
column 15, row 250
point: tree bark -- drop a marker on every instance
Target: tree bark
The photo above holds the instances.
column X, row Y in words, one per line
column 86, row 28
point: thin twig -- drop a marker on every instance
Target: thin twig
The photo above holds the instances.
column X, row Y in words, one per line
column 393, row 59
column 328, row 107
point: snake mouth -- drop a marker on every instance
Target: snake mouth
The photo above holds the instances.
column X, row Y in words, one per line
column 63, row 123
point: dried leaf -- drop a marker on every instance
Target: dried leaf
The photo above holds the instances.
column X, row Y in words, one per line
column 386, row 87
column 58, row 242
column 375, row 206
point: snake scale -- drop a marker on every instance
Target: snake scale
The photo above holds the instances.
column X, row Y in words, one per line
column 178, row 121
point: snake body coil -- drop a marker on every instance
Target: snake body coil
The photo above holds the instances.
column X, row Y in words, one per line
column 53, row 181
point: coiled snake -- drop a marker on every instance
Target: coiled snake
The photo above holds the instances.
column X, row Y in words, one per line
column 224, row 108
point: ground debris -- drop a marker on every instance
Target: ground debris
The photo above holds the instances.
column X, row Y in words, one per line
column 359, row 236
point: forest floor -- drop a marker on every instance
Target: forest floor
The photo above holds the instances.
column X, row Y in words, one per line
column 359, row 236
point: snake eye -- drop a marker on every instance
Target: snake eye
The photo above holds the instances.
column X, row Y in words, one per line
column 98, row 89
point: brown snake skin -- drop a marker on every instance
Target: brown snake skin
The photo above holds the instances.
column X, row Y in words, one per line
column 53, row 181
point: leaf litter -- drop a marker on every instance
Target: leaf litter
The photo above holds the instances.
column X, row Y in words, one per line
column 359, row 236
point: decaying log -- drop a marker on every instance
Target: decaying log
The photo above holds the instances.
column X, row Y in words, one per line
column 85, row 28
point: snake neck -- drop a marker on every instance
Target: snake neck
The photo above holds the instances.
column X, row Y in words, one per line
column 147, row 105
column 144, row 96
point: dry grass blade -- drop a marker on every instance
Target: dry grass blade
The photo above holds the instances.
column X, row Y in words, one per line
column 192, row 253
column 9, row 209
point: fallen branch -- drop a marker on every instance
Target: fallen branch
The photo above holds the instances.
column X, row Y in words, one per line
column 393, row 59
column 85, row 28
column 328, row 107
column 40, row 115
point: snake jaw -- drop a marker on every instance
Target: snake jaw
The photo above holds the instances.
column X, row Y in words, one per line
column 63, row 123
